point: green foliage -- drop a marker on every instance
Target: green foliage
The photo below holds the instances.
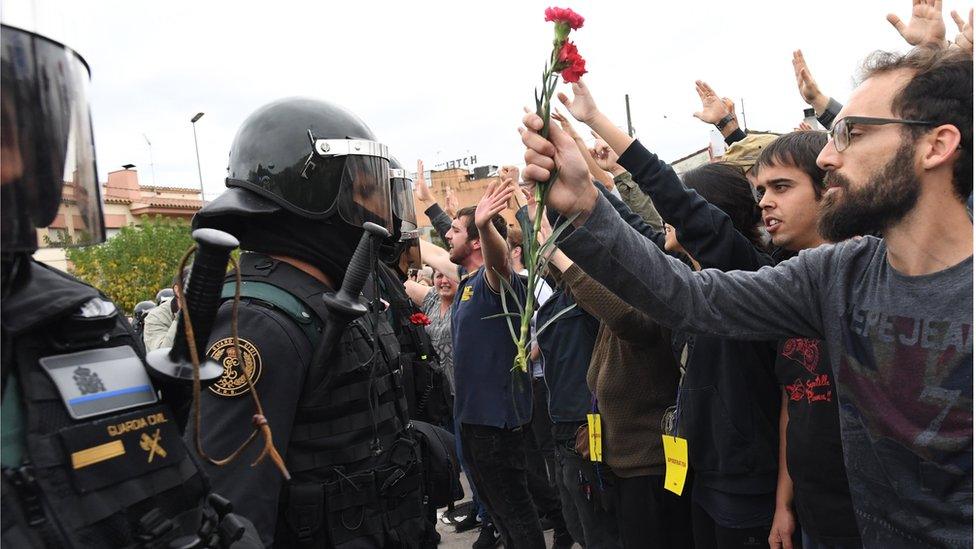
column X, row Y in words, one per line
column 137, row 262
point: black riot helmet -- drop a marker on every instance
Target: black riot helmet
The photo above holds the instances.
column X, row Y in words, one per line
column 402, row 252
column 47, row 153
column 142, row 309
column 314, row 159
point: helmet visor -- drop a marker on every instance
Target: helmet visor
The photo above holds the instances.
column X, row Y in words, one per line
column 364, row 191
column 403, row 203
column 48, row 154
column 410, row 255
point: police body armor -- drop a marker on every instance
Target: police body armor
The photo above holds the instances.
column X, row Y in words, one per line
column 427, row 390
column 99, row 461
column 356, row 471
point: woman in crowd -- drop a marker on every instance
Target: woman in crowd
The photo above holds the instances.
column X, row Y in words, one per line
column 435, row 302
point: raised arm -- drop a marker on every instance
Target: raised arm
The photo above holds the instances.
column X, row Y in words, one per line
column 440, row 259
column 718, row 111
column 440, row 220
column 771, row 303
column 417, row 291
column 598, row 173
column 826, row 108
column 493, row 246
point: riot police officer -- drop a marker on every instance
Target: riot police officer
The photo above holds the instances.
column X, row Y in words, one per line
column 304, row 176
column 428, row 393
column 90, row 456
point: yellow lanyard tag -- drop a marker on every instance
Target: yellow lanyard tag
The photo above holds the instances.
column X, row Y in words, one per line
column 596, row 437
column 676, row 457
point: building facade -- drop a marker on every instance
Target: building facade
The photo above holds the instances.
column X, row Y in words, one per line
column 124, row 201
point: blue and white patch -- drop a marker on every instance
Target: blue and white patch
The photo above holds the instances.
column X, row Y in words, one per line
column 100, row 381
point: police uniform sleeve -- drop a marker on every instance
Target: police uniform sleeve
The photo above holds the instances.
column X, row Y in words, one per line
column 275, row 352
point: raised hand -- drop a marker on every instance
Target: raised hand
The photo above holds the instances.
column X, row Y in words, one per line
column 565, row 123
column 714, row 108
column 508, row 173
column 572, row 192
column 582, row 106
column 604, row 156
column 423, row 191
column 926, row 25
column 802, row 127
column 807, row 86
column 452, row 205
column 494, row 200
column 965, row 37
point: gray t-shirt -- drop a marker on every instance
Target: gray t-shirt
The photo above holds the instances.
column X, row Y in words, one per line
column 439, row 331
column 901, row 349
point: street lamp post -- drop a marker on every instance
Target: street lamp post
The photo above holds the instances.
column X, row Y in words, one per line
column 193, row 122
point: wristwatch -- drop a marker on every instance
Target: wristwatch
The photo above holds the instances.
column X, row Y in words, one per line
column 724, row 121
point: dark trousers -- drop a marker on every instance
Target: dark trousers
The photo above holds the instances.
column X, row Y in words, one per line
column 709, row 535
column 542, row 443
column 650, row 516
column 588, row 520
column 497, row 465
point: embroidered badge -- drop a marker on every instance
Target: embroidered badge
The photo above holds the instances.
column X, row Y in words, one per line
column 233, row 383
column 467, row 293
column 152, row 445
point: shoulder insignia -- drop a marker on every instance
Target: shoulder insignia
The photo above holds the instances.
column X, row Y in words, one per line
column 233, row 383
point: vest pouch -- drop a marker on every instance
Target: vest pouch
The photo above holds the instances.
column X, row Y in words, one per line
column 442, row 483
column 304, row 514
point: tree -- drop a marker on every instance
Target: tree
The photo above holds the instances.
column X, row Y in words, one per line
column 136, row 263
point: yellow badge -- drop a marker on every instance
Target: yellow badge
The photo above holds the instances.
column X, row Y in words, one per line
column 467, row 293
column 233, row 382
column 152, row 445
column 676, row 458
column 596, row 436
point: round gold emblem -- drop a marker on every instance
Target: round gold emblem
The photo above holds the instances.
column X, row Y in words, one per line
column 233, row 382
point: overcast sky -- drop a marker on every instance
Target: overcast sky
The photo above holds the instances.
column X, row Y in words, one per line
column 439, row 80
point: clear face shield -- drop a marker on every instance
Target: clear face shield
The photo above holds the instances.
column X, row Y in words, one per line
column 364, row 188
column 47, row 153
column 404, row 210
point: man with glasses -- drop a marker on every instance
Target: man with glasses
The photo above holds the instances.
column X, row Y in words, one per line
column 895, row 311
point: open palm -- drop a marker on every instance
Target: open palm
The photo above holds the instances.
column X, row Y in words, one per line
column 926, row 25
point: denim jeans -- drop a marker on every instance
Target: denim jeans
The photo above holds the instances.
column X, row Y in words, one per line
column 496, row 462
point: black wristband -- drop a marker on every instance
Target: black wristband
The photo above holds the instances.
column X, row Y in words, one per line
column 724, row 121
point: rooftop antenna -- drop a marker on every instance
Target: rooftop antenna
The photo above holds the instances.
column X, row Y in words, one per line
column 152, row 165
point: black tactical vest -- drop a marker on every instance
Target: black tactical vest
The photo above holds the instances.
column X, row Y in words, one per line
column 103, row 463
column 427, row 389
column 356, row 472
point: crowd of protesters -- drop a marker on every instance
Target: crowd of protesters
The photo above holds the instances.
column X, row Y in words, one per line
column 799, row 311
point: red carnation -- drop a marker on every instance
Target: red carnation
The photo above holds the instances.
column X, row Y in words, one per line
column 419, row 319
column 564, row 15
column 570, row 63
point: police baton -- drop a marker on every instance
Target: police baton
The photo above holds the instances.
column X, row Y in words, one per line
column 202, row 295
column 345, row 306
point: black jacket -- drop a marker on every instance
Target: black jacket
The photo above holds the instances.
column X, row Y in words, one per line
column 729, row 398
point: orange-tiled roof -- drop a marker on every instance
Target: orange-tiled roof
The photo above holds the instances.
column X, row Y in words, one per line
column 170, row 189
column 174, row 203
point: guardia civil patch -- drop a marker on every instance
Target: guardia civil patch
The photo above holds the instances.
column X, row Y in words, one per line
column 233, row 383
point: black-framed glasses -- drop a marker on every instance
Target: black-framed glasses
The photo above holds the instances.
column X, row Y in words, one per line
column 840, row 133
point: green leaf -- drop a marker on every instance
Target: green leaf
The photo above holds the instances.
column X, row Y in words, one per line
column 501, row 315
column 506, row 288
column 550, row 321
